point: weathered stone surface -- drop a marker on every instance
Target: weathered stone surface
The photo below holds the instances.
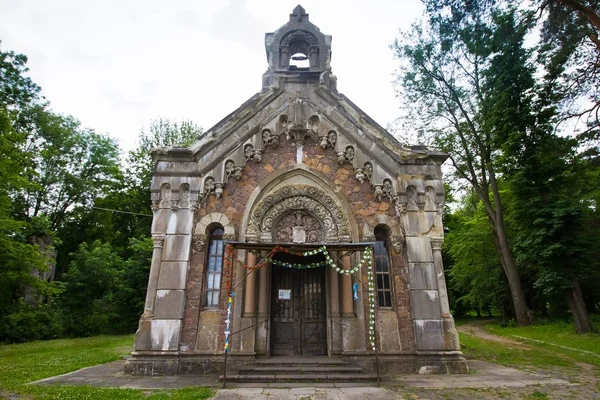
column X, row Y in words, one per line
column 426, row 304
column 422, row 276
column 389, row 336
column 172, row 275
column 430, row 334
column 169, row 304
column 177, row 247
column 418, row 249
column 165, row 334
column 208, row 331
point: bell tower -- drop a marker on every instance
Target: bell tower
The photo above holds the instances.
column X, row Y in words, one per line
column 297, row 50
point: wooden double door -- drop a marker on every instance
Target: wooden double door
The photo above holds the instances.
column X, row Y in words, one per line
column 298, row 311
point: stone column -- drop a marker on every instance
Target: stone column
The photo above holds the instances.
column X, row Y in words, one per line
column 250, row 286
column 248, row 334
column 263, row 307
column 159, row 242
column 334, row 298
column 263, row 289
column 334, row 291
column 436, row 247
column 347, row 302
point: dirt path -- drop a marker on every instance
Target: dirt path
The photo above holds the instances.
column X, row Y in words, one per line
column 475, row 328
column 585, row 378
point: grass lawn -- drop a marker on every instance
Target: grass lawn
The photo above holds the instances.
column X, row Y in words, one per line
column 550, row 344
column 28, row 362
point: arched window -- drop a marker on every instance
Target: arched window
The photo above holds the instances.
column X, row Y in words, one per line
column 214, row 266
column 382, row 267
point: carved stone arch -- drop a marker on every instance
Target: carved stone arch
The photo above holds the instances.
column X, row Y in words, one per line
column 368, row 232
column 287, row 183
column 396, row 235
column 274, row 205
column 330, row 222
column 201, row 233
column 299, row 36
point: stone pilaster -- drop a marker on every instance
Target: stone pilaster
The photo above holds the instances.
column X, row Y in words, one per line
column 158, row 242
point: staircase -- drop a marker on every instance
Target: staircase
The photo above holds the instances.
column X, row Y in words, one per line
column 300, row 369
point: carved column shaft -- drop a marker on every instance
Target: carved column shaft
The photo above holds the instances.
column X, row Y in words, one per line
column 334, row 290
column 157, row 251
column 263, row 289
column 347, row 306
column 250, row 287
column 436, row 247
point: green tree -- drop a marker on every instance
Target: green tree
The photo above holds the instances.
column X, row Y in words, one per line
column 448, row 64
column 475, row 274
column 94, row 277
column 570, row 50
column 19, row 257
column 71, row 167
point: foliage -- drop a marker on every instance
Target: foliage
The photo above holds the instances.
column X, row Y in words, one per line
column 475, row 274
column 70, row 167
column 570, row 49
column 466, row 82
column 93, row 279
column 20, row 259
column 162, row 132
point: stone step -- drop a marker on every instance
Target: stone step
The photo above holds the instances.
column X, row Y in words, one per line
column 283, row 377
column 299, row 369
column 300, row 361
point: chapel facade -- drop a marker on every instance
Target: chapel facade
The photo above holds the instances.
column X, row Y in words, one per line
column 297, row 226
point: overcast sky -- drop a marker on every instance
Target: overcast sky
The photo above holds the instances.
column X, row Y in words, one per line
column 117, row 64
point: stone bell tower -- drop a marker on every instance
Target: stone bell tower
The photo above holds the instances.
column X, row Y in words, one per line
column 301, row 40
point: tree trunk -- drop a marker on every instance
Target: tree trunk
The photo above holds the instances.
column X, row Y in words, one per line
column 583, row 323
column 523, row 314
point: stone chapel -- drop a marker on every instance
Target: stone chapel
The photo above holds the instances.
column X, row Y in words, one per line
column 297, row 227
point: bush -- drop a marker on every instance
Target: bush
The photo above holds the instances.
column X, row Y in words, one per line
column 27, row 324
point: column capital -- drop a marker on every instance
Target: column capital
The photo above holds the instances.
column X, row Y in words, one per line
column 436, row 242
column 158, row 241
column 397, row 242
column 198, row 242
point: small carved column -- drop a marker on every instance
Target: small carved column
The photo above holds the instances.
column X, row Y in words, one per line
column 347, row 306
column 159, row 241
column 334, row 290
column 436, row 247
column 263, row 289
column 250, row 287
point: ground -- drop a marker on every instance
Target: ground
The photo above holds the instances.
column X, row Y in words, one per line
column 539, row 362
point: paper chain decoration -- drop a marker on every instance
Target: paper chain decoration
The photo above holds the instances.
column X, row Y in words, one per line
column 366, row 259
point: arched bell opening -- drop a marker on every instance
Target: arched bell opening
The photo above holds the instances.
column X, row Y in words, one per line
column 299, row 61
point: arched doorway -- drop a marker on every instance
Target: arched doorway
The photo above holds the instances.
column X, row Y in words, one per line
column 298, row 301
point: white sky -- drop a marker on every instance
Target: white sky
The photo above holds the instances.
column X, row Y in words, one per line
column 117, row 64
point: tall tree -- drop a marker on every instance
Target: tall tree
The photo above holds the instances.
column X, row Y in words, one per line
column 571, row 53
column 71, row 166
column 447, row 64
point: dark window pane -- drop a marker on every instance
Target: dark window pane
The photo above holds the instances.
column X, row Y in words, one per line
column 388, row 299
column 384, row 265
column 378, row 262
column 386, row 281
column 379, row 281
column 380, row 299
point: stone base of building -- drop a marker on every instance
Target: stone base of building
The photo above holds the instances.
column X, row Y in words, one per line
column 444, row 363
